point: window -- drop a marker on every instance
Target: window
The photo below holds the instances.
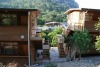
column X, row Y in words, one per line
column 8, row 48
column 8, row 19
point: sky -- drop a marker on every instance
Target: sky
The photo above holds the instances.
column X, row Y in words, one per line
column 89, row 4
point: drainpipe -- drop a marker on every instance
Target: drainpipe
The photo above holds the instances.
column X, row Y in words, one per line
column 29, row 39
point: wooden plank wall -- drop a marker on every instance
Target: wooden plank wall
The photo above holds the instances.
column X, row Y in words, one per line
column 90, row 26
column 13, row 33
column 90, row 20
column 33, row 23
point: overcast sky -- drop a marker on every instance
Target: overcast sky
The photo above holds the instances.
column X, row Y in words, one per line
column 89, row 3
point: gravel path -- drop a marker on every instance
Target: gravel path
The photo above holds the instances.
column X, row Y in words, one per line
column 84, row 62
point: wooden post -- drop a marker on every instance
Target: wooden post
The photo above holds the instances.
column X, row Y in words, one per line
column 32, row 53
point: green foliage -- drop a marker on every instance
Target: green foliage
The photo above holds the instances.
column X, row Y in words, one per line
column 70, row 40
column 45, row 33
column 81, row 39
column 97, row 25
column 53, row 36
column 51, row 10
column 97, row 43
column 20, row 4
column 51, row 65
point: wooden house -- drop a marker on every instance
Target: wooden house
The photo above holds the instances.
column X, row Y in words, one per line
column 19, row 39
column 80, row 18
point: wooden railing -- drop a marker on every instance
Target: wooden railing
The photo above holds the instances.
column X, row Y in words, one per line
column 13, row 33
column 46, row 47
column 46, row 44
column 36, row 35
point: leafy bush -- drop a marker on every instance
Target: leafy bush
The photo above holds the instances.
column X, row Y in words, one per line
column 53, row 36
column 45, row 33
column 80, row 39
column 97, row 25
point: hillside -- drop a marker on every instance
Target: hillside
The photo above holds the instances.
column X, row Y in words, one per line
column 51, row 10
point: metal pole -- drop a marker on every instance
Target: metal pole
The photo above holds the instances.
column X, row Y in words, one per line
column 29, row 38
column 84, row 19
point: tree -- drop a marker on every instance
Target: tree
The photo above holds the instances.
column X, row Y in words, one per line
column 51, row 10
column 97, row 43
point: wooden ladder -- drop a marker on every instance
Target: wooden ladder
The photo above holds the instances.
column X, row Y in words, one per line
column 46, row 47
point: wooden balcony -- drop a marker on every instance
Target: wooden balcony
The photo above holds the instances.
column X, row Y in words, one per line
column 13, row 33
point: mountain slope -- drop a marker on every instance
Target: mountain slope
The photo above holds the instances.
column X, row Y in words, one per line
column 51, row 10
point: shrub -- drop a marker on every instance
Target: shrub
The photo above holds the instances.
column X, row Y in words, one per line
column 97, row 43
column 80, row 39
column 51, row 65
column 53, row 36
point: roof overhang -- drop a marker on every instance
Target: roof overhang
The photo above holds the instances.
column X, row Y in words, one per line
column 81, row 9
column 16, row 9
